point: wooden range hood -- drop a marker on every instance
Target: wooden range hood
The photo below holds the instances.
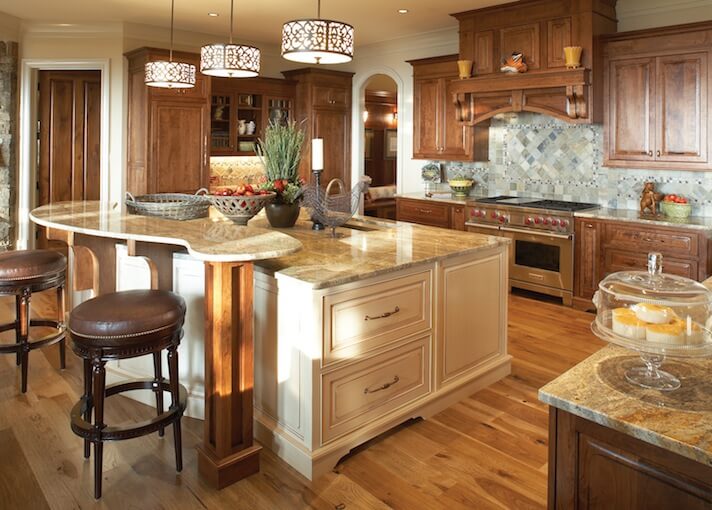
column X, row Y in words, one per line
column 540, row 29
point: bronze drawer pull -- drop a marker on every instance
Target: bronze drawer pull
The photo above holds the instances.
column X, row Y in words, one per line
column 424, row 211
column 383, row 315
column 385, row 386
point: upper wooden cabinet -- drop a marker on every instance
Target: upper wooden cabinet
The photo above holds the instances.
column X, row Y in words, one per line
column 540, row 30
column 658, row 96
column 437, row 134
column 168, row 130
column 323, row 105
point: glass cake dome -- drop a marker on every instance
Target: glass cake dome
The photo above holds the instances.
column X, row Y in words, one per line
column 657, row 315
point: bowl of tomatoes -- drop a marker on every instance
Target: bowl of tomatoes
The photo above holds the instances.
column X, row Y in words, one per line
column 676, row 206
column 242, row 203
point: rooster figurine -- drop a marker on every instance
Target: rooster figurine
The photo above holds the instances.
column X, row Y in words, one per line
column 514, row 64
column 649, row 199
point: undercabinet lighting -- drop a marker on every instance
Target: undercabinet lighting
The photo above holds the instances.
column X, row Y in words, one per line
column 402, row 11
column 213, row 14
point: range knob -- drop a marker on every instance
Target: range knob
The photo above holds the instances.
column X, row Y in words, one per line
column 538, row 220
column 547, row 221
column 555, row 222
column 493, row 215
column 564, row 223
column 502, row 218
column 529, row 221
column 476, row 213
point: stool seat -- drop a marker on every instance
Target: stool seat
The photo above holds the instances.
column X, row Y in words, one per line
column 30, row 264
column 123, row 319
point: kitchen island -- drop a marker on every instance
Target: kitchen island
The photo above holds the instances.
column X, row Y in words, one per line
column 353, row 335
column 616, row 445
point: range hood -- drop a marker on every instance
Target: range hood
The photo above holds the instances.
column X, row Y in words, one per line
column 539, row 30
column 563, row 94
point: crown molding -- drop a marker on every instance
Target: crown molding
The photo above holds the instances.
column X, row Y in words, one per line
column 71, row 30
column 650, row 8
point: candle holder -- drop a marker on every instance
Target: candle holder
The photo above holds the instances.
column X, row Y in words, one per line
column 317, row 225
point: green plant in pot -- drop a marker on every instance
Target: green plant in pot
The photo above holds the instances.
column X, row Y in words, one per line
column 281, row 152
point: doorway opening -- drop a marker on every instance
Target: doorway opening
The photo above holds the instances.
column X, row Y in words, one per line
column 380, row 130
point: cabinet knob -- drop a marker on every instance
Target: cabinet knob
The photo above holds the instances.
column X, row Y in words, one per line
column 658, row 154
column 650, row 153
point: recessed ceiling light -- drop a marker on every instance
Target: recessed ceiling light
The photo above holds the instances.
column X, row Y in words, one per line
column 402, row 11
column 213, row 14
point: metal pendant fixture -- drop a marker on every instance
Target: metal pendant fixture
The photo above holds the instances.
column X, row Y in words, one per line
column 230, row 60
column 169, row 74
column 318, row 41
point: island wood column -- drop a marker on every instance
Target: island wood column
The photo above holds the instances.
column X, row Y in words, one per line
column 228, row 452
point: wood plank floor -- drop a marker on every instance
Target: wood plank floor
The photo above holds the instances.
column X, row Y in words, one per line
column 487, row 451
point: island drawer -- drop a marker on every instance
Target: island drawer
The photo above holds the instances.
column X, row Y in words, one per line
column 370, row 389
column 361, row 320
column 637, row 238
column 423, row 212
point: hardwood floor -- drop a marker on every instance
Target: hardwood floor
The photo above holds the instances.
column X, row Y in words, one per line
column 487, row 451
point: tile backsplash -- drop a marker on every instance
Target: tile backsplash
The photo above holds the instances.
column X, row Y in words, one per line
column 536, row 155
column 231, row 171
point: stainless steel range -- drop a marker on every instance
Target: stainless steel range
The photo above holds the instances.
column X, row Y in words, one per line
column 541, row 258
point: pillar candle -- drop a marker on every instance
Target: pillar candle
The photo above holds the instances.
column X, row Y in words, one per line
column 318, row 154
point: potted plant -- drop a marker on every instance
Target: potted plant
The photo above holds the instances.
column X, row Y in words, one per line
column 280, row 152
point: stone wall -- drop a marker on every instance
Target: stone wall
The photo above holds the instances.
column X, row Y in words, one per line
column 8, row 137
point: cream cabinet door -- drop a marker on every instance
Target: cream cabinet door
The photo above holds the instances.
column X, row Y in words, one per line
column 472, row 318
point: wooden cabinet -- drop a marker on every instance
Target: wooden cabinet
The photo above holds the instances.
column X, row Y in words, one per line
column 592, row 467
column 603, row 247
column 658, row 95
column 168, row 130
column 323, row 105
column 437, row 134
column 431, row 212
column 235, row 102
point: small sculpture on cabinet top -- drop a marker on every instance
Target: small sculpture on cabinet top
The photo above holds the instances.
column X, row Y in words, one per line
column 649, row 199
column 514, row 64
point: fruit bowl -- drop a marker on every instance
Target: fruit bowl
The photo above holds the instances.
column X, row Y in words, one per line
column 241, row 208
column 676, row 210
column 461, row 187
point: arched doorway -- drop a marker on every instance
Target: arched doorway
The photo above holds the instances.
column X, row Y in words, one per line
column 380, row 135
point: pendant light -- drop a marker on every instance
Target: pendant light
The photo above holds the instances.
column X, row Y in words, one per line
column 318, row 41
column 169, row 74
column 230, row 60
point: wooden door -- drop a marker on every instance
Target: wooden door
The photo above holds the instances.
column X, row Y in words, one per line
column 179, row 135
column 426, row 121
column 631, row 109
column 455, row 139
column 333, row 125
column 682, row 117
column 69, row 132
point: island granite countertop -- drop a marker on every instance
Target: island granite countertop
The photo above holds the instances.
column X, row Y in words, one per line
column 679, row 421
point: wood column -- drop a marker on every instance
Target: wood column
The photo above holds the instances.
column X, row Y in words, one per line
column 228, row 452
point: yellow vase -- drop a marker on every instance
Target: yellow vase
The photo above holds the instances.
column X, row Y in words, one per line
column 464, row 68
column 572, row 54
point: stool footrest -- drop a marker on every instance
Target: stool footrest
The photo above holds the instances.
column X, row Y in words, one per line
column 86, row 430
column 35, row 344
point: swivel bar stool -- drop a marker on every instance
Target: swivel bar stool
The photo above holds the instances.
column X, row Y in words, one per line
column 124, row 325
column 22, row 273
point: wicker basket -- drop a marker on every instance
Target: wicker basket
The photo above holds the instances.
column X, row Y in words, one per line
column 173, row 206
column 241, row 209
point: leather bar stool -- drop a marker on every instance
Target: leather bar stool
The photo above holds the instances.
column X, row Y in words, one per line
column 22, row 273
column 124, row 325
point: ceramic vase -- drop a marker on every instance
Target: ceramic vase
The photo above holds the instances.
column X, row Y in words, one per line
column 464, row 68
column 281, row 215
column 572, row 55
column 241, row 127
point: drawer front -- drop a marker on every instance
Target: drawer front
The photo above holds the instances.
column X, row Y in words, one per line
column 330, row 96
column 367, row 318
column 424, row 212
column 374, row 387
column 627, row 261
column 642, row 238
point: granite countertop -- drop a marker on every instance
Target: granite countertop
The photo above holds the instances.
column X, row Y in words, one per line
column 679, row 421
column 444, row 197
column 693, row 222
column 212, row 239
column 368, row 247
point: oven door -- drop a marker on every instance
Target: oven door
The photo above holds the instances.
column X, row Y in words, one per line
column 541, row 258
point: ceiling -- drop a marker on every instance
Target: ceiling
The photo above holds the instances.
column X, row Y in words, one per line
column 260, row 21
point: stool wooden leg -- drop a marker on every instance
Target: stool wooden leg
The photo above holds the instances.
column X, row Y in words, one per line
column 24, row 319
column 18, row 313
column 87, row 402
column 158, row 379
column 99, row 376
column 60, row 319
column 175, row 401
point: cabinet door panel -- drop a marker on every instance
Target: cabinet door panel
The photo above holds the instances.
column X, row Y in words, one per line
column 631, row 109
column 333, row 126
column 484, row 53
column 179, row 138
column 524, row 39
column 426, row 120
column 588, row 240
column 330, row 96
column 456, row 142
column 558, row 37
column 682, row 108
